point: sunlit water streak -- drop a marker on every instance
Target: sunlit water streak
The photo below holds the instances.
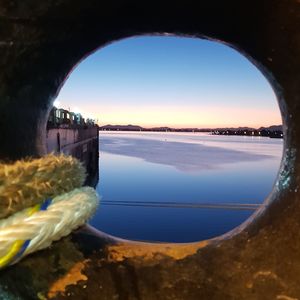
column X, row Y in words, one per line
column 180, row 169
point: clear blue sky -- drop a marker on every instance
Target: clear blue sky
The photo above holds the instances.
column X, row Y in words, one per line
column 170, row 81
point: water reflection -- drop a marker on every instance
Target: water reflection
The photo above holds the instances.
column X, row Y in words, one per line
column 157, row 168
column 181, row 155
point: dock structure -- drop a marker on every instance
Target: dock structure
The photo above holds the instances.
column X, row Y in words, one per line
column 69, row 133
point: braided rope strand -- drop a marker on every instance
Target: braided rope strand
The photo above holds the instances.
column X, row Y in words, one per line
column 28, row 222
column 18, row 247
column 66, row 213
column 26, row 183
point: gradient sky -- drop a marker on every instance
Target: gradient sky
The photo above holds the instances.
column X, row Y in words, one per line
column 170, row 81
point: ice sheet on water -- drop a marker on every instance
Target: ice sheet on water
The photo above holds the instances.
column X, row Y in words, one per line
column 183, row 156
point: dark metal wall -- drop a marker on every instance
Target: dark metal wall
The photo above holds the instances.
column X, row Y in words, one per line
column 42, row 41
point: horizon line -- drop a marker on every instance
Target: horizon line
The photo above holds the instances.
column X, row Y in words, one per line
column 193, row 127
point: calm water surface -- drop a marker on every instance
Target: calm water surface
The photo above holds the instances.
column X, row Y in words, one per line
column 149, row 181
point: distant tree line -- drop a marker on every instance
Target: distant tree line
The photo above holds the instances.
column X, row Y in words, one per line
column 264, row 132
column 274, row 131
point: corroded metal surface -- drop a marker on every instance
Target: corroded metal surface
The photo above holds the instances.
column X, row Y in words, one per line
column 40, row 43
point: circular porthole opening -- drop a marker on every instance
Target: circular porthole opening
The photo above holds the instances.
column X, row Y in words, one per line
column 190, row 136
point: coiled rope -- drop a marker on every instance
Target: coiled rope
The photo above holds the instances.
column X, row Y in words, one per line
column 39, row 182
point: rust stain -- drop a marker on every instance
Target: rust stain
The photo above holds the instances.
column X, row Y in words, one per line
column 152, row 252
column 266, row 274
column 73, row 276
column 284, row 297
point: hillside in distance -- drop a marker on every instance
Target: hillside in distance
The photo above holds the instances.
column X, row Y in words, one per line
column 122, row 127
column 271, row 128
column 130, row 127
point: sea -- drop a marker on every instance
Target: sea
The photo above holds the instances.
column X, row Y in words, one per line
column 181, row 187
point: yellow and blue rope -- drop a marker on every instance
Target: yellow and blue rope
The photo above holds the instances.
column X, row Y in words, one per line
column 19, row 247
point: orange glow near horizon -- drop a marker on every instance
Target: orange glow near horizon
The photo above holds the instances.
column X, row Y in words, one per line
column 183, row 116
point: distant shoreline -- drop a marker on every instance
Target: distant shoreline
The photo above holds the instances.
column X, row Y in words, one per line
column 274, row 131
